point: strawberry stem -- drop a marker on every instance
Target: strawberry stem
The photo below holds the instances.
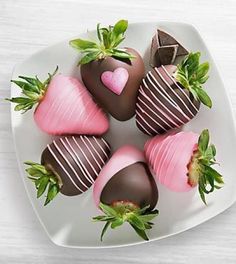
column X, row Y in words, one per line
column 44, row 180
column 200, row 171
column 33, row 91
column 120, row 212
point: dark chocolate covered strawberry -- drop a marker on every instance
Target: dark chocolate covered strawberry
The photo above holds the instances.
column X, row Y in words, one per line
column 112, row 74
column 63, row 105
column 183, row 161
column 170, row 96
column 69, row 165
column 126, row 192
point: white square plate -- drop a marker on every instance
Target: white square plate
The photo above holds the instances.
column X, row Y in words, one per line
column 67, row 220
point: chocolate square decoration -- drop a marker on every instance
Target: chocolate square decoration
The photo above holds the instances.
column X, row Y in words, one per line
column 165, row 49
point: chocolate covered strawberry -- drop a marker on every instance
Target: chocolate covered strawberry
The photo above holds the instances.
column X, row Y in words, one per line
column 69, row 165
column 183, row 161
column 126, row 192
column 170, row 96
column 63, row 105
column 112, row 74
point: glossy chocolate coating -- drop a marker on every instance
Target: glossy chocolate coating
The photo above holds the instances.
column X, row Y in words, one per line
column 121, row 107
column 76, row 161
column 163, row 103
column 133, row 183
column 165, row 49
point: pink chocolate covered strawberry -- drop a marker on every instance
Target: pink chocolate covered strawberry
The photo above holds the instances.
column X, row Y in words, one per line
column 126, row 192
column 183, row 160
column 64, row 106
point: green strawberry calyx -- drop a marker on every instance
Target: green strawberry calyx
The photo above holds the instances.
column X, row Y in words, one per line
column 200, row 168
column 44, row 179
column 107, row 44
column 33, row 91
column 192, row 75
column 120, row 212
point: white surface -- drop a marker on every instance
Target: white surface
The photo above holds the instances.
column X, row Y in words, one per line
column 25, row 27
column 178, row 211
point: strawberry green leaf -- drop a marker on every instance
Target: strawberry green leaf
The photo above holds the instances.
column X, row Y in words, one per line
column 214, row 174
column 200, row 170
column 121, row 212
column 202, row 70
column 203, row 97
column 42, row 186
column 149, row 217
column 136, row 221
column 118, row 222
column 53, row 190
column 108, row 209
column 33, row 90
column 121, row 54
column 203, row 140
column 120, row 27
column 89, row 57
column 191, row 75
column 109, row 38
column 210, row 152
column 99, row 32
column 103, row 218
column 81, row 44
column 140, row 232
column 44, row 180
column 202, row 195
column 105, row 229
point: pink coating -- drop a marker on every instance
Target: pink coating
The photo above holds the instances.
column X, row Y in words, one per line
column 116, row 80
column 122, row 158
column 68, row 108
column 168, row 157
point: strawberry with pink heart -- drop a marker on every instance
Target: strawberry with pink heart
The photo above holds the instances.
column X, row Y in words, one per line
column 112, row 74
column 63, row 105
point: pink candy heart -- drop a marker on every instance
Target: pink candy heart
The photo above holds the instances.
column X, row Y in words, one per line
column 116, row 80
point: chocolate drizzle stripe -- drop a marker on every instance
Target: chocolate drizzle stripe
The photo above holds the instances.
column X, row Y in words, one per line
column 169, row 101
column 102, row 160
column 89, row 178
column 180, row 88
column 164, row 121
column 173, row 90
column 138, row 122
column 99, row 165
column 161, row 90
column 80, row 164
column 159, row 110
column 155, row 121
column 63, row 168
column 77, row 144
column 104, row 152
column 178, row 108
column 104, row 141
column 165, row 107
column 56, row 105
column 159, row 102
column 69, row 164
column 147, row 123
